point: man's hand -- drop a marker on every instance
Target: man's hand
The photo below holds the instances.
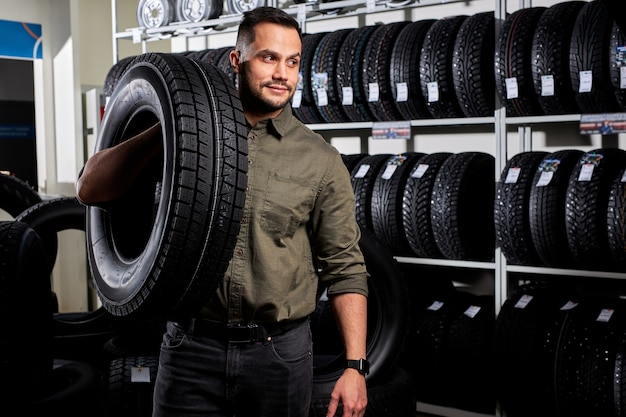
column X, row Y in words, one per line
column 351, row 392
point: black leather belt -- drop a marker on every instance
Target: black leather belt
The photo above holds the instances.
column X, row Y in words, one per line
column 236, row 332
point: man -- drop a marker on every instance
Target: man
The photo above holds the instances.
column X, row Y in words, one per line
column 299, row 201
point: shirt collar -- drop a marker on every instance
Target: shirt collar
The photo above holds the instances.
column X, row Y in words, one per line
column 279, row 125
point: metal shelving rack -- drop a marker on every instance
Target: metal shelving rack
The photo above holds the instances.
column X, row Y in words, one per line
column 499, row 124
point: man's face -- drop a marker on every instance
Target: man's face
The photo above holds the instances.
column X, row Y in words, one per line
column 268, row 69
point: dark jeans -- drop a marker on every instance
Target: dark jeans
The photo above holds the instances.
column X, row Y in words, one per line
column 200, row 376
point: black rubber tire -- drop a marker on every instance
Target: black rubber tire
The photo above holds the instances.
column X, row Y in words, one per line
column 550, row 56
column 512, row 61
column 349, row 73
column 51, row 216
column 473, row 67
column 25, row 315
column 526, row 340
column 363, row 176
column 308, row 111
column 405, row 59
column 547, row 208
column 462, row 207
column 511, row 208
column 114, row 74
column 16, row 195
column 325, row 63
column 376, row 70
column 128, row 386
column 387, row 202
column 164, row 247
column 72, row 389
column 352, row 160
column 616, row 224
column 618, row 39
column 586, row 205
column 585, row 377
column 416, row 207
column 436, row 66
column 468, row 354
column 387, row 327
column 589, row 51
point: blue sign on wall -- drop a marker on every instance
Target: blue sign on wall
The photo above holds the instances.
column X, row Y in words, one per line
column 20, row 39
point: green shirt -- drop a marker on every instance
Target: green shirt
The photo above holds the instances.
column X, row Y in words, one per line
column 294, row 176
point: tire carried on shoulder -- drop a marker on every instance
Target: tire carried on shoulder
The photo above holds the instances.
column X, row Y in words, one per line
column 165, row 245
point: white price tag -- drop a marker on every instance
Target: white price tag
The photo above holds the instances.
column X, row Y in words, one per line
column 402, row 92
column 370, row 6
column 512, row 175
column 419, row 171
column 389, row 170
column 373, row 92
column 622, row 77
column 322, row 97
column 523, row 301
column 297, row 99
column 547, row 85
column 586, row 171
column 569, row 306
column 348, row 96
column 605, row 315
column 433, row 91
column 472, row 311
column 140, row 374
column 511, row 88
column 436, row 305
column 586, row 79
column 545, row 178
column 362, row 171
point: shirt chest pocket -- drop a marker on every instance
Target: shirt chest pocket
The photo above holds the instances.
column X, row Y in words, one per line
column 287, row 204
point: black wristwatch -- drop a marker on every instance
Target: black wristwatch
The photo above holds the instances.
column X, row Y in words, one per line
column 361, row 365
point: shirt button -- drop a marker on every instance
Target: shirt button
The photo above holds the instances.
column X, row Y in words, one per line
column 249, row 161
column 239, row 252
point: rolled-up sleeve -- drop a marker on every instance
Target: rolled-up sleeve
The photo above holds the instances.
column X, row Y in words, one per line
column 336, row 233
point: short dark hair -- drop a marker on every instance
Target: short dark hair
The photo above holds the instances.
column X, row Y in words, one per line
column 263, row 14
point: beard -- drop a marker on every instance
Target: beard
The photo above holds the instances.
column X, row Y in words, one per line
column 252, row 97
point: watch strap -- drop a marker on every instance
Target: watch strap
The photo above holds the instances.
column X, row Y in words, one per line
column 361, row 365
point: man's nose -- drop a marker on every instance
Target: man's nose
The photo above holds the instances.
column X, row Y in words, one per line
column 280, row 72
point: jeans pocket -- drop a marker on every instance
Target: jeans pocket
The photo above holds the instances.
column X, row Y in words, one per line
column 294, row 346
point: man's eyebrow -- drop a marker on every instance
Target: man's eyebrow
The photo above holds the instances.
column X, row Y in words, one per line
column 272, row 52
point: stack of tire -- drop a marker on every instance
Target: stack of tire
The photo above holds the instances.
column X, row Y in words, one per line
column 40, row 380
column 559, row 351
column 563, row 209
column 437, row 205
column 456, row 66
column 543, row 61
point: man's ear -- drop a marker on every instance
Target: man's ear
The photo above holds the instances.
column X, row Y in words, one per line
column 235, row 61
